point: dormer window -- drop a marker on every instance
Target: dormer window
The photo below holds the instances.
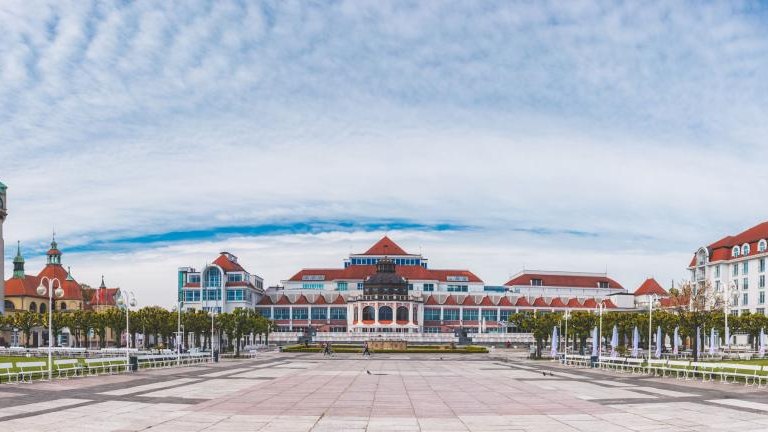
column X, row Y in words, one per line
column 602, row 284
column 537, row 282
column 735, row 252
column 745, row 249
column 762, row 245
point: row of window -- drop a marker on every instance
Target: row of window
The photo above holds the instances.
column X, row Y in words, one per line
column 284, row 313
column 215, row 294
column 457, row 288
column 762, row 246
column 433, row 314
column 344, row 286
column 397, row 261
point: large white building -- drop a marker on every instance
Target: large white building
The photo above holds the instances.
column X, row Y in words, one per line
column 735, row 267
column 221, row 286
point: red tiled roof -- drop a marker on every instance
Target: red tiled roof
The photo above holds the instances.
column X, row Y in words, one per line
column 608, row 304
column 72, row 289
column 574, row 303
column 266, row 300
column 361, row 272
column 237, row 284
column 339, row 300
column 557, row 302
column 590, row 303
column 540, row 302
column 301, row 300
column 486, row 301
column 192, row 285
column 522, row 301
column 505, row 302
column 468, row 301
column 320, row 300
column 580, row 281
column 450, row 301
column 431, row 301
column 26, row 287
column 227, row 265
column 104, row 297
column 721, row 249
column 385, row 246
column 283, row 300
column 650, row 286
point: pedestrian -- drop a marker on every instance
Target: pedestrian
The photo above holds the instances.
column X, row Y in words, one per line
column 366, row 350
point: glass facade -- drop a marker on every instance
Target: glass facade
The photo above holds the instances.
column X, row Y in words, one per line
column 470, row 315
column 431, row 314
column 212, row 277
column 338, row 313
column 319, row 313
column 451, row 314
column 235, row 295
column 300, row 313
column 490, row 315
column 282, row 314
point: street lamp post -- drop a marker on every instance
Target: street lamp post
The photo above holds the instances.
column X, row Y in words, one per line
column 126, row 299
column 600, row 306
column 47, row 287
column 651, row 299
column 565, row 340
column 727, row 304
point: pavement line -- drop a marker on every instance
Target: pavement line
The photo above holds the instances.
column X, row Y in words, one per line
column 147, row 387
column 226, row 372
column 741, row 404
column 663, row 392
column 40, row 406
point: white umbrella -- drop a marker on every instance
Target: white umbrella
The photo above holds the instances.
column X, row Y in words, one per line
column 595, row 342
column 635, row 341
column 614, row 341
column 762, row 343
column 658, row 342
column 698, row 341
column 675, row 342
column 712, row 341
column 553, row 352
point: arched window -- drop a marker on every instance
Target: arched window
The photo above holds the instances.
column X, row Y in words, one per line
column 368, row 313
column 213, row 278
column 33, row 307
column 385, row 313
column 762, row 245
column 735, row 251
column 43, row 308
column 9, row 306
column 63, row 306
column 745, row 249
column 402, row 313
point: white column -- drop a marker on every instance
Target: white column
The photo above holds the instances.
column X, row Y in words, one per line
column 290, row 318
column 376, row 313
column 328, row 315
column 461, row 315
column 410, row 313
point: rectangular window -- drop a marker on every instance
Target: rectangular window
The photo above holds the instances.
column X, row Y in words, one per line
column 263, row 312
column 744, row 299
column 470, row 315
column 760, row 311
column 191, row 295
column 745, row 268
column 458, row 288
column 431, row 329
column 341, row 286
column 457, row 278
column 717, row 286
column 537, row 282
column 761, row 266
column 338, row 313
column 505, row 315
column 282, row 313
column 761, row 297
column 429, row 287
column 359, row 285
column 602, row 284
column 300, row 313
column 194, row 278
column 736, row 269
column 235, row 295
column 745, row 283
column 410, row 287
column 451, row 314
column 319, row 313
column 313, row 277
column 313, row 286
column 212, row 295
column 490, row 315
column 431, row 314
column 717, row 271
column 235, row 277
column 761, row 281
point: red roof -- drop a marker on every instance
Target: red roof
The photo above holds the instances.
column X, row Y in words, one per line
column 104, row 297
column 283, row 300
column 574, row 303
column 505, row 302
column 522, row 301
column 450, row 301
column 72, row 289
column 540, row 302
column 557, row 302
column 650, row 286
column 486, row 301
column 320, row 300
column 228, row 265
column 361, row 272
column 608, row 304
column 339, row 300
column 301, row 300
column 266, row 300
column 431, row 301
column 468, row 301
column 721, row 249
column 385, row 246
column 580, row 281
column 590, row 303
column 26, row 287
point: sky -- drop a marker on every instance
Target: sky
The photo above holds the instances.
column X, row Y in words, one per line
column 491, row 136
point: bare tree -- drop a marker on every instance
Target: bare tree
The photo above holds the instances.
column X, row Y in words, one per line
column 693, row 303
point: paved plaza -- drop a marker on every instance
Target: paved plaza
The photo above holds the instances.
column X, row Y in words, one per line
column 303, row 392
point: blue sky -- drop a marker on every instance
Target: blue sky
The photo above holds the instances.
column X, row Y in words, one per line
column 493, row 135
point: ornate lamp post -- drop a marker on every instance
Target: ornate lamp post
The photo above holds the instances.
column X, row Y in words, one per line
column 126, row 299
column 651, row 299
column 50, row 286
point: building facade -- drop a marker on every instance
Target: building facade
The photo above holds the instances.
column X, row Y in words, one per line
column 3, row 214
column 735, row 266
column 222, row 286
column 387, row 291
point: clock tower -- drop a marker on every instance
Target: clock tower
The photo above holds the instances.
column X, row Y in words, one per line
column 3, row 213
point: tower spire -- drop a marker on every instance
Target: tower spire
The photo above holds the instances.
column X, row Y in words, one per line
column 18, row 263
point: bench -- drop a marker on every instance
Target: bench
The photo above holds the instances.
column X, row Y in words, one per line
column 611, row 362
column 634, row 365
column 29, row 370
column 746, row 372
column 107, row 365
column 64, row 367
column 5, row 372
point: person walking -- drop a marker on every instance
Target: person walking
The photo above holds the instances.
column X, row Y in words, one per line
column 366, row 350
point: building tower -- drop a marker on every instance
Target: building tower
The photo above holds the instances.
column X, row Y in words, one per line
column 3, row 213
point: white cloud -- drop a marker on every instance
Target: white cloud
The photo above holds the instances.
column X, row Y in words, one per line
column 643, row 124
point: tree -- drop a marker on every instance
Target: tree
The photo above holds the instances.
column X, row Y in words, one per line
column 114, row 319
column 694, row 302
column 539, row 324
column 581, row 324
column 99, row 325
column 26, row 321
